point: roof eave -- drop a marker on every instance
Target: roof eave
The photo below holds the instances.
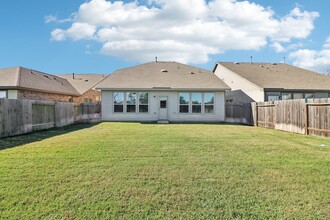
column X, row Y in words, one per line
column 46, row 91
column 296, row 90
column 164, row 89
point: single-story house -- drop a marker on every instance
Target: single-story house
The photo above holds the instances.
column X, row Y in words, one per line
column 85, row 85
column 163, row 91
column 22, row 83
column 271, row 81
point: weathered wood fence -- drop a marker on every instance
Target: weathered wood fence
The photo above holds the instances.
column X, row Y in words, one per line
column 310, row 117
column 24, row 116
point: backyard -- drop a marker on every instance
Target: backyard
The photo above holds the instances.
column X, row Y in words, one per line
column 151, row 171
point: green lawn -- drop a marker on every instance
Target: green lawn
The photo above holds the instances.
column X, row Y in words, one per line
column 150, row 171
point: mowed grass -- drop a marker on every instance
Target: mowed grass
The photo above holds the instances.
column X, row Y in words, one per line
column 150, row 171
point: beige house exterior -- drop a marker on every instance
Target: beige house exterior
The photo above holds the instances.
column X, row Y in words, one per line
column 23, row 83
column 271, row 81
column 164, row 92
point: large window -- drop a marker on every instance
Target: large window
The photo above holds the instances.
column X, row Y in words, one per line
column 209, row 102
column 118, row 102
column 143, row 102
column 130, row 102
column 298, row 95
column 273, row 96
column 309, row 95
column 3, row 94
column 196, row 103
column 286, row 96
column 184, row 102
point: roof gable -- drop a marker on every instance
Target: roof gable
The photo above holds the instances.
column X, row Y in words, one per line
column 9, row 77
column 84, row 82
column 279, row 75
column 22, row 78
column 162, row 75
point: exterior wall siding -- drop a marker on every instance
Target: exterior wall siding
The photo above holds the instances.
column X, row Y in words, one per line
column 236, row 82
column 172, row 107
column 93, row 95
column 34, row 95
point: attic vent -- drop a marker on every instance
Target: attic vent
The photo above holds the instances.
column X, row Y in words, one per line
column 236, row 62
column 164, row 70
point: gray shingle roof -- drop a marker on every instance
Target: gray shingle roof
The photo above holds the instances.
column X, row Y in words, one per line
column 84, row 82
column 22, row 78
column 279, row 75
column 166, row 75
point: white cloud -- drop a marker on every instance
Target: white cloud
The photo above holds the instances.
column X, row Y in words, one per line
column 50, row 18
column 54, row 19
column 313, row 59
column 297, row 25
column 278, row 47
column 77, row 31
column 185, row 30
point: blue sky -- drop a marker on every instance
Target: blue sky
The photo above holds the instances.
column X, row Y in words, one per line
column 99, row 36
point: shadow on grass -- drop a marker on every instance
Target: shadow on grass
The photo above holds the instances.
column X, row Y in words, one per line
column 17, row 141
column 195, row 123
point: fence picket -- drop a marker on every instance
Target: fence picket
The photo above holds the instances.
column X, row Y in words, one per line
column 299, row 116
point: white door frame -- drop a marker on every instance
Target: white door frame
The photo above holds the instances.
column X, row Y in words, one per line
column 163, row 107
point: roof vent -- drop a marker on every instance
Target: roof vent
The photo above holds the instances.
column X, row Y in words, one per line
column 86, row 80
column 261, row 66
column 236, row 62
column 274, row 63
column 192, row 73
column 164, row 70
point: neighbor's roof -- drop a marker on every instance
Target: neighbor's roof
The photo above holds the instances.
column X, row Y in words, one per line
column 22, row 78
column 279, row 75
column 84, row 82
column 162, row 75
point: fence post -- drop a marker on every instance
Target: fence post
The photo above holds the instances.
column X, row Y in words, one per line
column 306, row 118
column 257, row 114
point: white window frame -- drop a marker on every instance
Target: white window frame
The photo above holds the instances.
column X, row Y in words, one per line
column 113, row 103
column 137, row 103
column 202, row 104
column 189, row 101
column 209, row 104
column 6, row 94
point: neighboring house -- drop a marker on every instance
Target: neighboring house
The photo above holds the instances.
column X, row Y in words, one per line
column 265, row 82
column 85, row 85
column 163, row 91
column 22, row 83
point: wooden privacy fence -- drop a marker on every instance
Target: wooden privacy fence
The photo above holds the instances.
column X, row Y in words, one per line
column 311, row 116
column 24, row 116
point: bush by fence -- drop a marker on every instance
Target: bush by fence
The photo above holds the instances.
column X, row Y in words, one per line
column 24, row 116
column 311, row 117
